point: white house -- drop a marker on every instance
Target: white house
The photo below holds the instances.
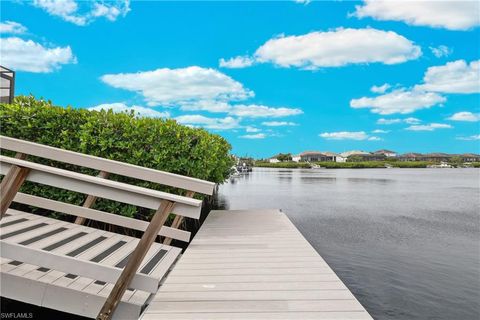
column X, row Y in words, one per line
column 273, row 160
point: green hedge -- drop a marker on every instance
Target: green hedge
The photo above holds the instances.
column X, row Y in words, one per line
column 154, row 143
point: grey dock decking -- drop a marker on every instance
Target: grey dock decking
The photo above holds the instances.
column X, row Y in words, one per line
column 252, row 264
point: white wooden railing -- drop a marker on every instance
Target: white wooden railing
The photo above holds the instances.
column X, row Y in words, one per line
column 19, row 169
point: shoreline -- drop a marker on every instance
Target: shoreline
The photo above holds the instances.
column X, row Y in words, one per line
column 360, row 165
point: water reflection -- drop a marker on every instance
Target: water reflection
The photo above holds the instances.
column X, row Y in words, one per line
column 405, row 241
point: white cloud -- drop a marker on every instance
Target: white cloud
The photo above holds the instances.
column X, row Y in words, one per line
column 70, row 11
column 398, row 101
column 396, row 120
column 27, row 55
column 374, row 139
column 254, row 136
column 209, row 123
column 453, row 77
column 110, row 11
column 441, row 51
column 260, row 111
column 388, row 121
column 240, row 110
column 305, row 2
column 120, row 107
column 337, row 48
column 429, row 127
column 236, row 62
column 465, row 116
column 347, row 135
column 12, row 27
column 412, row 120
column 206, row 105
column 251, row 129
column 177, row 86
column 474, row 137
column 278, row 123
column 453, row 15
column 380, row 89
column 380, row 131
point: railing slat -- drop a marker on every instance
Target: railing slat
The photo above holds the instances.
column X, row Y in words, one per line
column 112, row 166
column 97, row 215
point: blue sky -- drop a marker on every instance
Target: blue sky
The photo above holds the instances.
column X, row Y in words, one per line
column 268, row 76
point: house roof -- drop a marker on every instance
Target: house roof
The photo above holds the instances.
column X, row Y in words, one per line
column 383, row 151
column 330, row 154
column 437, row 154
column 311, row 153
column 411, row 155
column 353, row 152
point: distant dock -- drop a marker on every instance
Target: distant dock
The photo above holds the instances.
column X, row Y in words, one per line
column 252, row 264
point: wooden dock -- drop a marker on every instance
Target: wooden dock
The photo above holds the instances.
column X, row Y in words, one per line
column 252, row 265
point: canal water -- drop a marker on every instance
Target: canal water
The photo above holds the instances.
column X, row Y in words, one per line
column 405, row 241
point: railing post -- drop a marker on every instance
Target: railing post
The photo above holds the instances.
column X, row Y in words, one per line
column 11, row 183
column 90, row 199
column 135, row 260
column 177, row 221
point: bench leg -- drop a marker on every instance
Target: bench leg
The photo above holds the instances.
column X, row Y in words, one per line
column 11, row 183
column 135, row 260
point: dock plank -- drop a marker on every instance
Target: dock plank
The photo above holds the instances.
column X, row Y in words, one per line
column 252, row 265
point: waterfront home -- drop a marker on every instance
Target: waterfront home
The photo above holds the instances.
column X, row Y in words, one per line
column 334, row 157
column 273, row 160
column 312, row 156
column 385, row 152
column 347, row 154
column 411, row 156
column 470, row 157
column 437, row 157
column 317, row 156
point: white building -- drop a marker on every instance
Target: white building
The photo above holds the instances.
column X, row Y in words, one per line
column 273, row 160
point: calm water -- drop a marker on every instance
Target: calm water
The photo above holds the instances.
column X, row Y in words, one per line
column 405, row 241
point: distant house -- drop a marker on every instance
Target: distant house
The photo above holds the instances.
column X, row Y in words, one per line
column 412, row 156
column 273, row 160
column 470, row 157
column 436, row 157
column 334, row 157
column 387, row 153
column 313, row 156
column 347, row 154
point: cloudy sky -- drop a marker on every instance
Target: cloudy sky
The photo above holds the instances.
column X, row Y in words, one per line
column 268, row 76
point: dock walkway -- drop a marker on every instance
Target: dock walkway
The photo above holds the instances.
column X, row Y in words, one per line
column 252, row 264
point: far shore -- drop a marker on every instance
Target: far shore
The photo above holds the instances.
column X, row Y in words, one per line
column 360, row 165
